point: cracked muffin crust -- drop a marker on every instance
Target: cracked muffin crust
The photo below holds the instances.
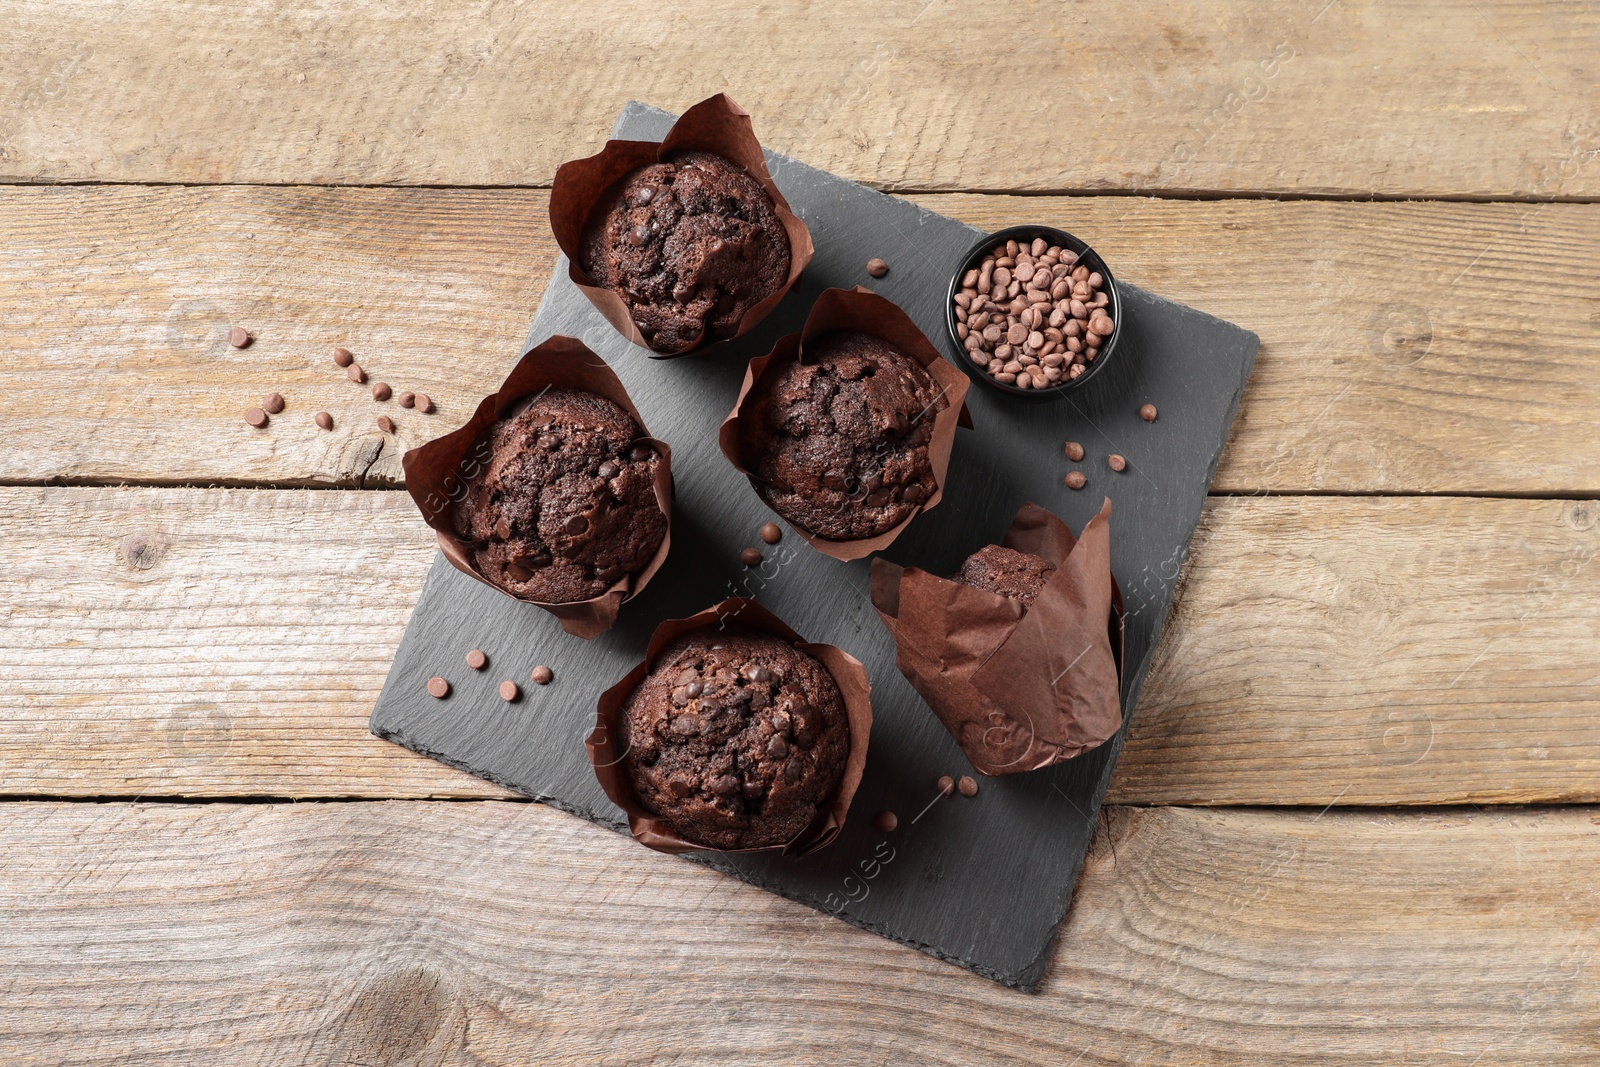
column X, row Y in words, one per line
column 565, row 503
column 737, row 739
column 691, row 244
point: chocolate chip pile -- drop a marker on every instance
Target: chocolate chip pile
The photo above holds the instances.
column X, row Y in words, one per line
column 1032, row 315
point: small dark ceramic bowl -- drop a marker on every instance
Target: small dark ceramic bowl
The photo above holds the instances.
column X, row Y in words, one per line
column 1086, row 256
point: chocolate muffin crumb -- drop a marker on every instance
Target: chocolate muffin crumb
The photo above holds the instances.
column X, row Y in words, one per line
column 690, row 244
column 1015, row 575
column 736, row 738
column 838, row 441
column 566, row 504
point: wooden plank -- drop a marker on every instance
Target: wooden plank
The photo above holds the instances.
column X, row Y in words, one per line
column 1410, row 98
column 1324, row 650
column 1441, row 348
column 510, row 933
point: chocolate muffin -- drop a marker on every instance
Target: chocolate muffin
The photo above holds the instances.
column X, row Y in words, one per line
column 736, row 738
column 691, row 244
column 1015, row 575
column 565, row 504
column 838, row 442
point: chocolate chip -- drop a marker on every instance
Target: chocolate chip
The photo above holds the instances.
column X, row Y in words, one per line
column 355, row 373
column 777, row 748
column 751, row 557
column 886, row 821
column 324, row 420
column 1004, row 305
column 608, row 470
column 695, row 688
column 255, row 417
column 1074, row 451
column 1076, row 480
column 724, row 785
column 424, row 405
column 792, row 771
column 342, row 357
column 1116, row 462
column 968, row 786
column 947, row 784
column 542, row 675
column 407, row 399
column 273, row 404
column 680, row 697
column 386, row 424
column 477, row 660
column 759, row 675
column 509, row 691
column 238, row 337
column 680, row 787
column 575, row 525
column 686, row 725
column 1148, row 413
column 877, row 267
column 771, row 534
column 380, row 391
column 438, row 687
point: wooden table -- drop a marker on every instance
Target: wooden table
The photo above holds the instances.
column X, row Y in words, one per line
column 1353, row 823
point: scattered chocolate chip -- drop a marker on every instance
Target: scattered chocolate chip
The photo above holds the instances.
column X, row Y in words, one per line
column 273, row 404
column 1074, row 451
column 424, row 405
column 947, row 784
column 477, row 660
column 968, row 786
column 1116, row 462
column 355, row 373
column 342, row 357
column 1148, row 413
column 724, row 785
column 751, row 557
column 438, row 687
column 380, row 391
column 238, row 337
column 407, row 399
column 542, row 675
column 255, row 417
column 877, row 267
column 575, row 525
column 886, row 821
column 386, row 424
column 771, row 534
column 1076, row 480
column 324, row 420
column 777, row 748
column 509, row 691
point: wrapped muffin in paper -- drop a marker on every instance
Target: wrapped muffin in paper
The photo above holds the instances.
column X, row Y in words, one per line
column 1019, row 685
column 684, row 244
column 845, row 429
column 592, row 539
column 743, row 736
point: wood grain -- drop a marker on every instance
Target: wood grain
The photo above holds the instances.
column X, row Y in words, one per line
column 1410, row 98
column 1324, row 650
column 473, row 933
column 1437, row 348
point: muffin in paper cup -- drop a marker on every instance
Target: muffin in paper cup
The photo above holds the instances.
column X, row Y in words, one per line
column 1018, row 688
column 440, row 473
column 585, row 189
column 849, row 311
column 607, row 745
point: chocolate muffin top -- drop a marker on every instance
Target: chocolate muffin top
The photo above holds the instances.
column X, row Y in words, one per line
column 736, row 738
column 838, row 442
column 691, row 244
column 1015, row 575
column 565, row 503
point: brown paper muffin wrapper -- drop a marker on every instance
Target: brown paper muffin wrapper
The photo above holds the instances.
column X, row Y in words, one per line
column 654, row 832
column 437, row 474
column 1017, row 690
column 863, row 310
column 716, row 125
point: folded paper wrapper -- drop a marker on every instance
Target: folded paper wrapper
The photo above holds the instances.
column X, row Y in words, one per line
column 654, row 832
column 865, row 311
column 437, row 474
column 716, row 125
column 1018, row 690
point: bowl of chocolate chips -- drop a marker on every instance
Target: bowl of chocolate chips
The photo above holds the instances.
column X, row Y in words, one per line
column 1033, row 312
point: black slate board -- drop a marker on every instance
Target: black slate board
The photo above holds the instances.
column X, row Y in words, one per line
column 983, row 882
